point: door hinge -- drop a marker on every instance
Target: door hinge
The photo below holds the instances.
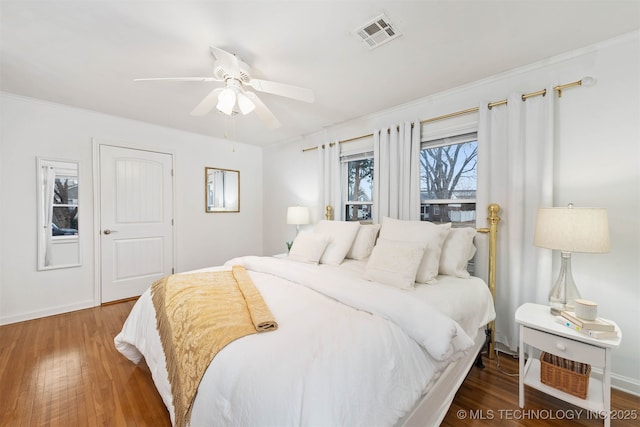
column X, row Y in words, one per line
column 171, row 172
column 172, row 222
column 172, row 271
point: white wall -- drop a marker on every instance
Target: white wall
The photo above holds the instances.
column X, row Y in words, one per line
column 31, row 128
column 598, row 164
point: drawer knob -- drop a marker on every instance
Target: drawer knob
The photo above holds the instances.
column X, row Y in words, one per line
column 561, row 346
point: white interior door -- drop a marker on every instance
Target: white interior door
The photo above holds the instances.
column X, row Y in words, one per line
column 136, row 216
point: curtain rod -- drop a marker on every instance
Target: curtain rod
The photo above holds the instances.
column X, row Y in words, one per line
column 585, row 81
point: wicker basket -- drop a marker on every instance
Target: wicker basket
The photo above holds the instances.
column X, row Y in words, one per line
column 564, row 374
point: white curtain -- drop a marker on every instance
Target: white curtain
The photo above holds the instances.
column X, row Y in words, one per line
column 515, row 170
column 396, row 174
column 330, row 183
column 48, row 184
column 218, row 189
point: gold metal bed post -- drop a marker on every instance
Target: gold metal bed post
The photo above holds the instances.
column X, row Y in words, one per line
column 328, row 213
column 493, row 220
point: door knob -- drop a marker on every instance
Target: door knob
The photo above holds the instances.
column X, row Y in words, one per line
column 107, row 231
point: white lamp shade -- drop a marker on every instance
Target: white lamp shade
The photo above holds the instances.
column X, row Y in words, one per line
column 298, row 215
column 245, row 104
column 226, row 101
column 573, row 229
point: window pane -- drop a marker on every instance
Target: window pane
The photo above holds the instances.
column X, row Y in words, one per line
column 65, row 191
column 358, row 212
column 448, row 182
column 449, row 172
column 65, row 206
column 64, row 221
column 360, row 180
column 457, row 213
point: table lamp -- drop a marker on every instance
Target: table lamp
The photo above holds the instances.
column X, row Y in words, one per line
column 298, row 215
column 570, row 230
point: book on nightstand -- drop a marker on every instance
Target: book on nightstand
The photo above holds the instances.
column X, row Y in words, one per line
column 595, row 325
column 593, row 333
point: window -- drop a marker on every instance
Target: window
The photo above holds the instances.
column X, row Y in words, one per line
column 448, row 180
column 358, row 203
column 64, row 220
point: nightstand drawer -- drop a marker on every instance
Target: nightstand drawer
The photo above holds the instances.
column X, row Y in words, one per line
column 564, row 347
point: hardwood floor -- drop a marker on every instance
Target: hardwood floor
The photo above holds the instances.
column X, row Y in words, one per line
column 64, row 371
column 490, row 396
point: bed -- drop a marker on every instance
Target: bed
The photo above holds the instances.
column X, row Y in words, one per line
column 358, row 340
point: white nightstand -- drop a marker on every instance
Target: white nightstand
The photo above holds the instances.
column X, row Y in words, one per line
column 539, row 329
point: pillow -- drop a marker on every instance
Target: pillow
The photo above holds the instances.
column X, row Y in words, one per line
column 342, row 234
column 394, row 263
column 308, row 247
column 431, row 234
column 457, row 250
column 364, row 242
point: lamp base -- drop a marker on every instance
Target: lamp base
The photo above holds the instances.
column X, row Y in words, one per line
column 564, row 292
column 556, row 311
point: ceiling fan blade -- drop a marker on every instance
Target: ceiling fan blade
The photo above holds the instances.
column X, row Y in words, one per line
column 289, row 91
column 207, row 103
column 180, row 79
column 227, row 60
column 263, row 112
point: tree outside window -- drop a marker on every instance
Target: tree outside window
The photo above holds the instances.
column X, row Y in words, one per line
column 65, row 206
column 359, row 203
column 448, row 180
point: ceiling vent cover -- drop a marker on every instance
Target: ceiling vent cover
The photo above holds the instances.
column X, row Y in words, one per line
column 376, row 32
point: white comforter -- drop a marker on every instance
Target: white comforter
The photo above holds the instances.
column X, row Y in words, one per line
column 347, row 352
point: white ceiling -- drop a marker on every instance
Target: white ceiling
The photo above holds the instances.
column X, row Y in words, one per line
column 87, row 53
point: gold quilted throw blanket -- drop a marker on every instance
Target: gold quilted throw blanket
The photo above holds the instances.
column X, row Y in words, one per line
column 197, row 316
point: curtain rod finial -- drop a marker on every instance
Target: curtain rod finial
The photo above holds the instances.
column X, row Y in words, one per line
column 588, row 81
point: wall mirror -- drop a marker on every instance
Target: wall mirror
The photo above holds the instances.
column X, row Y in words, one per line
column 222, row 190
column 58, row 238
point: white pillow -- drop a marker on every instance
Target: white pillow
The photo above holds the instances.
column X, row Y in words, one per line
column 364, row 242
column 431, row 234
column 457, row 250
column 394, row 263
column 308, row 247
column 342, row 235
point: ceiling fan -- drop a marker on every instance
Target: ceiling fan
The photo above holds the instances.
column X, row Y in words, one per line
column 233, row 98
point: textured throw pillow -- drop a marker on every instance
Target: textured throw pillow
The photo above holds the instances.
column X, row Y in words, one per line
column 457, row 250
column 364, row 242
column 308, row 247
column 432, row 235
column 342, row 235
column 394, row 263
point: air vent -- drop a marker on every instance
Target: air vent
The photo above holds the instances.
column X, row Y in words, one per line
column 376, row 32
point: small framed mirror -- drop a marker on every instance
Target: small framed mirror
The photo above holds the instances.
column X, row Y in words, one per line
column 58, row 235
column 222, row 190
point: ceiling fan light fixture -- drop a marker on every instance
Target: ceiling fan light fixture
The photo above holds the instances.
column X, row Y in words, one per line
column 226, row 101
column 245, row 104
column 232, row 99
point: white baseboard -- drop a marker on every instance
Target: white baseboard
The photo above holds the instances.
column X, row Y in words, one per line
column 51, row 311
column 626, row 384
column 620, row 382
